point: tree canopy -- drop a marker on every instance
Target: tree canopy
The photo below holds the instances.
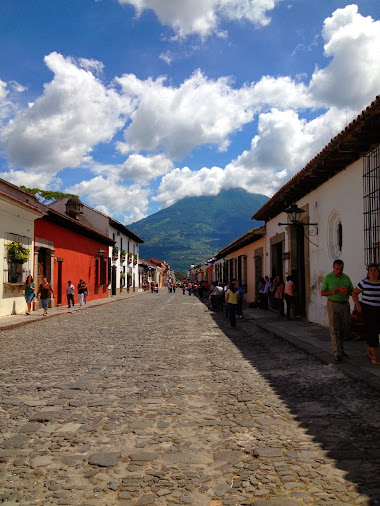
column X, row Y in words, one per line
column 47, row 196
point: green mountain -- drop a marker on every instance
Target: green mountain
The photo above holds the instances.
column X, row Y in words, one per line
column 195, row 228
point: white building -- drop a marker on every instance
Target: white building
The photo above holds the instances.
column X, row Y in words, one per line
column 17, row 217
column 339, row 192
column 124, row 256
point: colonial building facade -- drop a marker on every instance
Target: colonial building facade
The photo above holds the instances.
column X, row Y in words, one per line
column 339, row 194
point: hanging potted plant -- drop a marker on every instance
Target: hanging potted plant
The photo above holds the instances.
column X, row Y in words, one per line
column 123, row 254
column 130, row 257
column 17, row 253
column 115, row 253
column 134, row 259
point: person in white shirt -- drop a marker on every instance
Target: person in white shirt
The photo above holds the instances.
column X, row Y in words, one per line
column 70, row 293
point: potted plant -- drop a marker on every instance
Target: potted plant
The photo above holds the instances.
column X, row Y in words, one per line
column 115, row 253
column 130, row 257
column 123, row 254
column 134, row 259
column 17, row 253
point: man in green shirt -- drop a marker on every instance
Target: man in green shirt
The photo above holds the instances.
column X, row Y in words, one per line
column 337, row 287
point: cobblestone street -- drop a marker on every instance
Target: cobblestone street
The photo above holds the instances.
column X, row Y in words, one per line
column 156, row 400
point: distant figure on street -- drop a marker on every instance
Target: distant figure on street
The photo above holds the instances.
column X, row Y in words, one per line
column 266, row 292
column 70, row 293
column 189, row 287
column 290, row 295
column 240, row 289
column 279, row 294
column 152, row 287
column 85, row 293
column 29, row 293
column 337, row 287
column 45, row 291
column 81, row 289
column 232, row 298
column 260, row 289
column 370, row 307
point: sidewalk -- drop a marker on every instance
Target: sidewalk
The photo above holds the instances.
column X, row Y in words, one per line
column 19, row 320
column 315, row 339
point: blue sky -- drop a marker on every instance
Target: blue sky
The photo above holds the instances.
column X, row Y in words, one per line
column 135, row 104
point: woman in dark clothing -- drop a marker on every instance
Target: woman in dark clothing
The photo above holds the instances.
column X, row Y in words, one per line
column 45, row 291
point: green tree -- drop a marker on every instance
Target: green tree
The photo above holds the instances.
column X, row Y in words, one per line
column 179, row 275
column 47, row 196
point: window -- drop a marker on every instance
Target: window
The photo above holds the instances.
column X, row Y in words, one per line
column 371, row 196
column 335, row 236
column 18, row 259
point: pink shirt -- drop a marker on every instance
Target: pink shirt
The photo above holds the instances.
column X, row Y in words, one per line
column 289, row 288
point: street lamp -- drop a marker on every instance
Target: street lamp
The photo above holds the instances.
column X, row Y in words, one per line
column 294, row 214
column 100, row 252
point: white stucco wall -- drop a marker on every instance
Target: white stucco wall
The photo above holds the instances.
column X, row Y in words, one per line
column 340, row 197
column 130, row 246
column 15, row 219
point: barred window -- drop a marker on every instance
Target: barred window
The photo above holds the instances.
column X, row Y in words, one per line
column 18, row 261
column 371, row 196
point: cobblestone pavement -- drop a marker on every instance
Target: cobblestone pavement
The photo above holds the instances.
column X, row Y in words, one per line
column 154, row 400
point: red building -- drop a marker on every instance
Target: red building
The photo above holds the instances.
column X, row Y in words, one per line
column 66, row 249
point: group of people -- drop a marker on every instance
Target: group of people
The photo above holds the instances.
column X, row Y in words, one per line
column 337, row 287
column 273, row 292
column 45, row 293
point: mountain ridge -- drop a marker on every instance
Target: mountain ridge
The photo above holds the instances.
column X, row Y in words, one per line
column 195, row 228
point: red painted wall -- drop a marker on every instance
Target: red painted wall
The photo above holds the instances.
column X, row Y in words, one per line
column 79, row 259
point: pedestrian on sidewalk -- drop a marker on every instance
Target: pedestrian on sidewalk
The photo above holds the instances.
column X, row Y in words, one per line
column 85, row 293
column 29, row 293
column 337, row 287
column 279, row 294
column 45, row 291
column 70, row 293
column 232, row 298
column 290, row 296
column 260, row 289
column 239, row 309
column 81, row 289
column 370, row 308
column 266, row 292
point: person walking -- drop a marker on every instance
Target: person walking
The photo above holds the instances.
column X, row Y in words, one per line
column 81, row 290
column 279, row 294
column 239, row 309
column 70, row 293
column 85, row 293
column 290, row 295
column 337, row 287
column 29, row 293
column 232, row 298
column 370, row 308
column 45, row 291
column 266, row 292
column 260, row 289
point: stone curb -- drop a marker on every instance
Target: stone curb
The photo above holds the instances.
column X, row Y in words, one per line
column 10, row 326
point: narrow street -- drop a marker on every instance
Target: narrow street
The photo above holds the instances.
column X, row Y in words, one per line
column 156, row 400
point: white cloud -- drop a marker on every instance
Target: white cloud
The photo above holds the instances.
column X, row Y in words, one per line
column 110, row 197
column 284, row 144
column 167, row 57
column 203, row 17
column 32, row 179
column 352, row 78
column 75, row 113
column 200, row 111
